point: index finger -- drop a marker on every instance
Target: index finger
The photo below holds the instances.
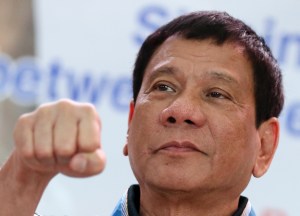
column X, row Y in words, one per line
column 89, row 127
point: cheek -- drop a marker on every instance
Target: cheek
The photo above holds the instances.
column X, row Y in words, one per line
column 233, row 135
column 142, row 128
column 231, row 153
column 236, row 151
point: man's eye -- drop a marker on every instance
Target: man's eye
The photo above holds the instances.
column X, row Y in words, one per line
column 163, row 87
column 216, row 95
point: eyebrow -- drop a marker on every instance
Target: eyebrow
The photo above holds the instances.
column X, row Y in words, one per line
column 216, row 75
column 222, row 76
column 165, row 70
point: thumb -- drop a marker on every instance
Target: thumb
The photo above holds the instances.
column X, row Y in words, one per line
column 88, row 164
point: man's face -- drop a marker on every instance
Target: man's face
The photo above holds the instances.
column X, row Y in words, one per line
column 193, row 124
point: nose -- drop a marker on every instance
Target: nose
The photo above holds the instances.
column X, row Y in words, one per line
column 183, row 111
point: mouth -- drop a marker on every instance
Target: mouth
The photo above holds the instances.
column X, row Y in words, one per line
column 175, row 147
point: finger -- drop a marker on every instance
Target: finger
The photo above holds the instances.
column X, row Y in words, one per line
column 65, row 136
column 23, row 137
column 43, row 136
column 89, row 130
column 87, row 164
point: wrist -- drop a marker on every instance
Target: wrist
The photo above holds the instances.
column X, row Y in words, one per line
column 20, row 187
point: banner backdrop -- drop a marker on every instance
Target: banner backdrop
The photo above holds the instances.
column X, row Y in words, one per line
column 85, row 51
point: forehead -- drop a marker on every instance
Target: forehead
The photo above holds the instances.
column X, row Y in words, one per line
column 199, row 49
column 201, row 55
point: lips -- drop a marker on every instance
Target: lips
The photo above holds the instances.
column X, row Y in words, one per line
column 178, row 147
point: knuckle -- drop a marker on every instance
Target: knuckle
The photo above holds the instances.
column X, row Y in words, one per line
column 90, row 145
column 64, row 145
column 64, row 104
column 27, row 154
column 65, row 101
column 89, row 109
column 60, row 106
column 24, row 120
column 64, row 151
column 67, row 107
column 43, row 153
column 43, row 111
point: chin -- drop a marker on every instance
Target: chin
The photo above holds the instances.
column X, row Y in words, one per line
column 175, row 183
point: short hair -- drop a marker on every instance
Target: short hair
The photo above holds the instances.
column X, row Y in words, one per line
column 222, row 28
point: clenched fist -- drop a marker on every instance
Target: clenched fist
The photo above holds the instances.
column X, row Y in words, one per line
column 61, row 137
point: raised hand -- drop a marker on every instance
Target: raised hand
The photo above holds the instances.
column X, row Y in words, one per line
column 61, row 137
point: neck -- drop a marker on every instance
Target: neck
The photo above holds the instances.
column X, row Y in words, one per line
column 169, row 203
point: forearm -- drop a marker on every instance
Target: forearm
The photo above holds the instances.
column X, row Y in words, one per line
column 20, row 189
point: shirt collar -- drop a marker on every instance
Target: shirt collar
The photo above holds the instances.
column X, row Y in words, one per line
column 129, row 205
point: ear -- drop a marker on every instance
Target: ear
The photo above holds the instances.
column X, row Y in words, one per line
column 130, row 115
column 269, row 136
column 131, row 111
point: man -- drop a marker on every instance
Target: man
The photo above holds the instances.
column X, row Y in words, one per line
column 206, row 96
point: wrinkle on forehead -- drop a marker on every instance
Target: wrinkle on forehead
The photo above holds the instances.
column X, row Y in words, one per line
column 240, row 49
column 203, row 61
column 177, row 47
column 173, row 47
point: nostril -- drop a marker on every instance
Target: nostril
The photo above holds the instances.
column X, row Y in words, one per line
column 171, row 120
column 189, row 121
